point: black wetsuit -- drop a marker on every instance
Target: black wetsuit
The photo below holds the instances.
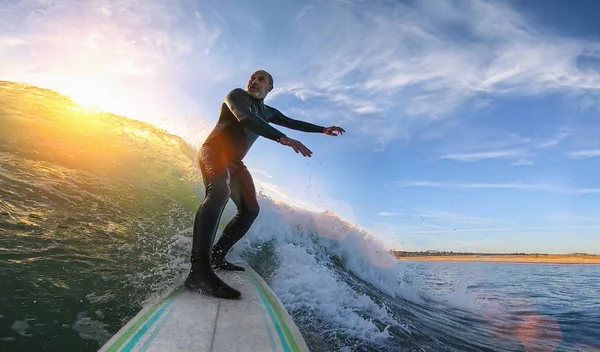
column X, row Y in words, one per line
column 241, row 121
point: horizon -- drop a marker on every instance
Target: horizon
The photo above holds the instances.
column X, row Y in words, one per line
column 470, row 125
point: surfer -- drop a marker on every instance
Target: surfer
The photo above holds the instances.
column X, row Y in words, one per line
column 243, row 118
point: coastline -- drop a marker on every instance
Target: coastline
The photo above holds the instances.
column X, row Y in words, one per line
column 508, row 258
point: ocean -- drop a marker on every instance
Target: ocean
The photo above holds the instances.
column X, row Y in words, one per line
column 95, row 221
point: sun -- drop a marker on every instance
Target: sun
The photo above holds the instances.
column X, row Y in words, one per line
column 89, row 95
column 94, row 96
column 97, row 94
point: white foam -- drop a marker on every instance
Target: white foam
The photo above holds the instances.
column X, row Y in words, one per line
column 308, row 247
column 306, row 286
column 360, row 252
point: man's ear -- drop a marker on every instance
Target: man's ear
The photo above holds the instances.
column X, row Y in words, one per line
column 270, row 88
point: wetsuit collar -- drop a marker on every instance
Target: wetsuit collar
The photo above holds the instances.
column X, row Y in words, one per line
column 260, row 101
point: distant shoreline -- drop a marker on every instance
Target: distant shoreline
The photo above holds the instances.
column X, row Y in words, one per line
column 502, row 258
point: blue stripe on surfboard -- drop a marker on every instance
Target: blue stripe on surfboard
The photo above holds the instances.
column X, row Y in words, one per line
column 156, row 330
column 135, row 339
column 264, row 319
column 284, row 342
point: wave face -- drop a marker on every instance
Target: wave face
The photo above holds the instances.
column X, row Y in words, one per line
column 96, row 218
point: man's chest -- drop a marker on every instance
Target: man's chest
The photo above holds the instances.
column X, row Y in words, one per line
column 262, row 111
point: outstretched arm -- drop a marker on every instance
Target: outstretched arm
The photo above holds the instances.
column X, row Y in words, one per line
column 282, row 120
column 239, row 104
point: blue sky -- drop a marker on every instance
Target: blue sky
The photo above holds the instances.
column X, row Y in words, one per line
column 471, row 125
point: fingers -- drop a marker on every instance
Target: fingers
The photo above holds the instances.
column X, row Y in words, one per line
column 334, row 131
column 305, row 151
column 301, row 148
column 298, row 147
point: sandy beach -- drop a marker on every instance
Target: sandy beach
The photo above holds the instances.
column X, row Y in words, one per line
column 528, row 258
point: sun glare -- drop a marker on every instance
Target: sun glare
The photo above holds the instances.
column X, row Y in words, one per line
column 93, row 96
column 97, row 95
column 88, row 97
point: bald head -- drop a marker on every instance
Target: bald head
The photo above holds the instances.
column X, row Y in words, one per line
column 267, row 74
column 270, row 77
column 260, row 84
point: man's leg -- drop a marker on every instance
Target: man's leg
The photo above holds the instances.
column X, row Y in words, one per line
column 243, row 194
column 202, row 277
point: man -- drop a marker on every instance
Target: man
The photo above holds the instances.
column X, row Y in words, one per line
column 243, row 118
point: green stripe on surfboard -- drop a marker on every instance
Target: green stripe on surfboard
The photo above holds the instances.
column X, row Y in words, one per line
column 282, row 322
column 278, row 328
column 135, row 326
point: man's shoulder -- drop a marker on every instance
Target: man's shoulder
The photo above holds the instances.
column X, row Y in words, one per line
column 238, row 92
column 272, row 109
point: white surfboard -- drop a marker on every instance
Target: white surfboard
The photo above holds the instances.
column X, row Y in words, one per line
column 189, row 321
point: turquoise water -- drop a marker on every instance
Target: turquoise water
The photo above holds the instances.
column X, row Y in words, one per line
column 95, row 221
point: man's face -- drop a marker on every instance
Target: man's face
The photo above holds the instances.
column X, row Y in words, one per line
column 259, row 85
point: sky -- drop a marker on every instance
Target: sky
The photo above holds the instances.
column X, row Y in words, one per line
column 470, row 125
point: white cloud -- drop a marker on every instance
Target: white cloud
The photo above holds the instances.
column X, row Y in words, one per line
column 417, row 184
column 448, row 185
column 367, row 109
column 584, row 154
column 436, row 217
column 508, row 229
column 554, row 141
column 385, row 213
column 587, row 191
column 523, row 162
column 483, row 185
column 470, row 144
column 452, row 217
column 482, row 155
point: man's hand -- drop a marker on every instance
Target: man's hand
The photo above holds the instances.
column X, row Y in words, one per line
column 296, row 145
column 333, row 131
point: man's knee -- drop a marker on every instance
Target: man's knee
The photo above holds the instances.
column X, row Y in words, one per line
column 218, row 191
column 251, row 212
